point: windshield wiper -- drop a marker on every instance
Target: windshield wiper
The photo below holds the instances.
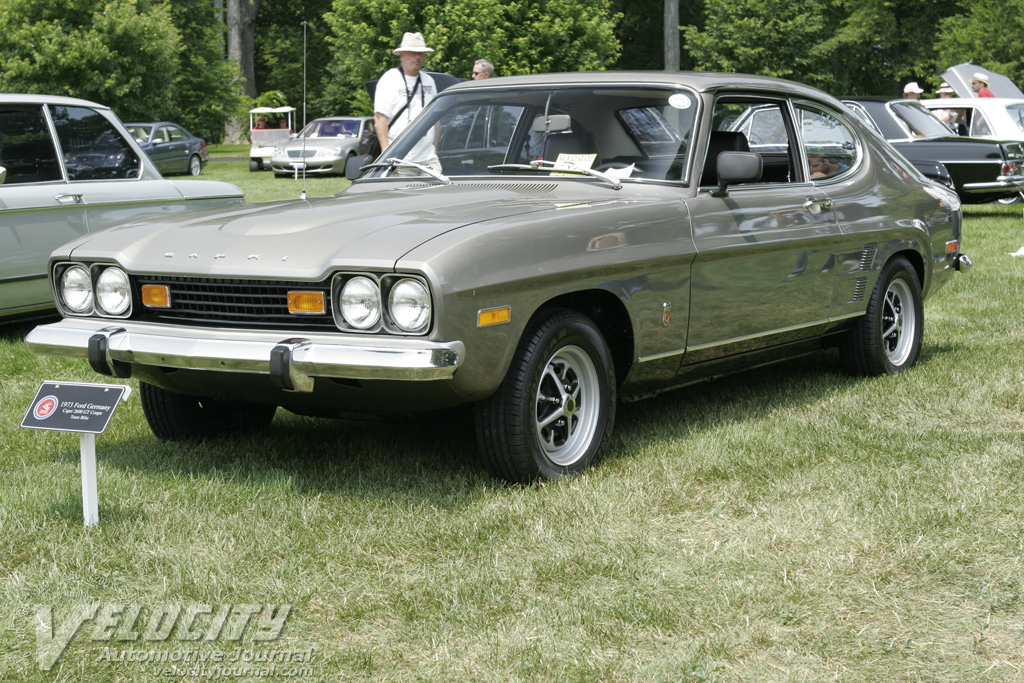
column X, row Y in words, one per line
column 392, row 163
column 566, row 166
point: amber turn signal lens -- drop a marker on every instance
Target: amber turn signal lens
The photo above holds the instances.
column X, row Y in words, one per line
column 952, row 247
column 306, row 303
column 156, row 296
column 494, row 316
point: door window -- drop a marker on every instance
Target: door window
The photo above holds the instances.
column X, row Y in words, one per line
column 26, row 148
column 93, row 148
column 754, row 125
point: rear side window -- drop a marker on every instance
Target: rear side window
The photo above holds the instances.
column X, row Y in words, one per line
column 26, row 148
column 980, row 126
column 829, row 145
column 93, row 148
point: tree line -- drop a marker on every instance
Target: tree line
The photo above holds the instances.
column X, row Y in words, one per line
column 204, row 63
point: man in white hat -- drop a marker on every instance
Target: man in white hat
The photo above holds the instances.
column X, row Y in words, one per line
column 912, row 91
column 402, row 93
column 979, row 84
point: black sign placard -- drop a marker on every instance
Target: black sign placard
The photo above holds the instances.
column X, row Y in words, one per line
column 73, row 407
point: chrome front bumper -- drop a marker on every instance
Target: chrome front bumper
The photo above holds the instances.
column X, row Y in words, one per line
column 113, row 347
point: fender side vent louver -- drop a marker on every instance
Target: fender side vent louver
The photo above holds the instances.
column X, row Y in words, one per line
column 867, row 257
column 860, row 289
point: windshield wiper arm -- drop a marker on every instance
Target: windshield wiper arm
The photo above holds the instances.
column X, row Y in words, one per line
column 568, row 167
column 392, row 163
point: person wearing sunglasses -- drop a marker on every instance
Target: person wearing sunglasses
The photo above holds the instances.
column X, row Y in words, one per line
column 482, row 69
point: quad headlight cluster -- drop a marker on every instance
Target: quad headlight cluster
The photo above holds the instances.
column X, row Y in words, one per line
column 101, row 289
column 360, row 302
column 396, row 303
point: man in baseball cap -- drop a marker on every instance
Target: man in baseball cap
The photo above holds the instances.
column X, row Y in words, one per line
column 912, row 90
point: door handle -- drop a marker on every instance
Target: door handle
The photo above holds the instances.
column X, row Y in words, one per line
column 814, row 206
column 68, row 199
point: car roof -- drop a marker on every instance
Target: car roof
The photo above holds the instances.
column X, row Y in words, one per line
column 974, row 101
column 16, row 98
column 701, row 81
column 342, row 118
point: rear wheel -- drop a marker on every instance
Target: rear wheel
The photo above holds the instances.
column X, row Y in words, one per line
column 887, row 339
column 255, row 165
column 177, row 417
column 553, row 415
column 195, row 165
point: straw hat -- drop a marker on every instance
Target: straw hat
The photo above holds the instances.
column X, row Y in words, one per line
column 413, row 42
column 980, row 77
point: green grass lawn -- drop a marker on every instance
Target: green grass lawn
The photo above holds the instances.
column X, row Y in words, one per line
column 264, row 186
column 788, row 524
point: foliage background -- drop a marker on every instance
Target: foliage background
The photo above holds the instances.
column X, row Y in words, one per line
column 156, row 59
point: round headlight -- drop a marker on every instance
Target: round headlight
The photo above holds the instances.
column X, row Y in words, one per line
column 409, row 305
column 76, row 289
column 360, row 303
column 112, row 291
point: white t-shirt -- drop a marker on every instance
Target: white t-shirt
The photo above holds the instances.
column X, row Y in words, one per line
column 393, row 91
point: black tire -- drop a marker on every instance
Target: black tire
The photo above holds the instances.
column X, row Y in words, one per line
column 553, row 414
column 176, row 417
column 195, row 165
column 887, row 340
column 255, row 165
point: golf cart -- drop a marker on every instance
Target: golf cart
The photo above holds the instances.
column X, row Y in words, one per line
column 265, row 140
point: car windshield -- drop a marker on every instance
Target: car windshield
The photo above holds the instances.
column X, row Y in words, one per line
column 630, row 131
column 922, row 122
column 330, row 128
column 140, row 133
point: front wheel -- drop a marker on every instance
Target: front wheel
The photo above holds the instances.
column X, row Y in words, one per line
column 553, row 415
column 195, row 165
column 887, row 340
column 255, row 165
column 177, row 417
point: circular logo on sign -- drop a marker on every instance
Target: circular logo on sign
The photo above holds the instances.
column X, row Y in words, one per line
column 46, row 407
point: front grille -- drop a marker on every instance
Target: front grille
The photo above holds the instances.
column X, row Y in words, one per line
column 301, row 153
column 257, row 304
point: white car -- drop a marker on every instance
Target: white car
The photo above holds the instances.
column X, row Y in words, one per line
column 68, row 167
column 996, row 118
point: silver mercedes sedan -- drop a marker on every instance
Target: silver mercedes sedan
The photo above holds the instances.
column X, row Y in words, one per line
column 322, row 147
column 536, row 248
column 69, row 168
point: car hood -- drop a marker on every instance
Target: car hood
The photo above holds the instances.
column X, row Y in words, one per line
column 306, row 239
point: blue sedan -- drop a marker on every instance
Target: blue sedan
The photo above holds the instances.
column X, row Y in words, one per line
column 172, row 148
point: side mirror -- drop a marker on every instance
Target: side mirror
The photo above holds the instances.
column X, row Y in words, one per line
column 737, row 167
column 354, row 166
column 3, row 175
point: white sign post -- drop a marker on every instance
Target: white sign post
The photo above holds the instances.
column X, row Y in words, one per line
column 82, row 408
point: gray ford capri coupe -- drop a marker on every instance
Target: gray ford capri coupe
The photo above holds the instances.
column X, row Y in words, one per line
column 535, row 247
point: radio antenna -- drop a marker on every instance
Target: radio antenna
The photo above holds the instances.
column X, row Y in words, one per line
column 302, row 195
